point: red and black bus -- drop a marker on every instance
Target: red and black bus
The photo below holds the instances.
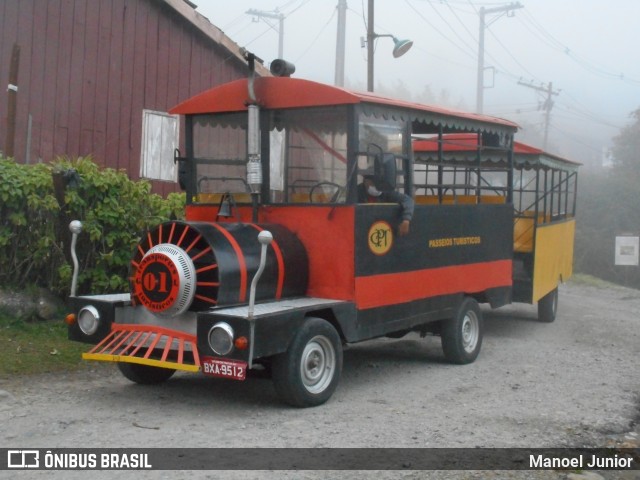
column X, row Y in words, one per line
column 278, row 264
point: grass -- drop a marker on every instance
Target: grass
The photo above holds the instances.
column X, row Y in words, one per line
column 36, row 347
column 591, row 281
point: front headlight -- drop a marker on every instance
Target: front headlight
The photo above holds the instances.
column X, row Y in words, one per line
column 88, row 319
column 221, row 338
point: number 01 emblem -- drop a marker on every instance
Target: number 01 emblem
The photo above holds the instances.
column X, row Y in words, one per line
column 380, row 238
column 156, row 282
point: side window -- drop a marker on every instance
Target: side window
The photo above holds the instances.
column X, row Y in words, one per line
column 160, row 137
column 380, row 152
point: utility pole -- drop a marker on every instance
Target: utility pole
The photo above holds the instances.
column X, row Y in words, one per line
column 483, row 25
column 371, row 36
column 276, row 16
column 547, row 105
column 400, row 46
column 340, row 42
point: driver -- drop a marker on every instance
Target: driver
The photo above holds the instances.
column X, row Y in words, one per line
column 369, row 192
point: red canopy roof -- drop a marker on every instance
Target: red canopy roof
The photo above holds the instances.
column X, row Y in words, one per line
column 465, row 142
column 284, row 92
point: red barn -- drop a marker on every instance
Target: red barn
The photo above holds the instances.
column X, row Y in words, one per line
column 97, row 78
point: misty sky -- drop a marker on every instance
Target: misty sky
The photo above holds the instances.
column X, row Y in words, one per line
column 588, row 49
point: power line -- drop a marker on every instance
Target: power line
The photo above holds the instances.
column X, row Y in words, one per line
column 546, row 106
column 482, row 14
column 513, row 57
column 542, row 34
column 333, row 14
column 576, row 139
column 455, row 31
column 587, row 116
column 266, row 16
column 443, row 35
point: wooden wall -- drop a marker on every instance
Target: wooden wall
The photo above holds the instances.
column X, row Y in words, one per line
column 88, row 68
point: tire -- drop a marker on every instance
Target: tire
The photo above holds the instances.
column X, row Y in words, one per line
column 145, row 374
column 462, row 335
column 307, row 374
column 548, row 306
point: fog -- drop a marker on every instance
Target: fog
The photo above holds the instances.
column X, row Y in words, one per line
column 587, row 50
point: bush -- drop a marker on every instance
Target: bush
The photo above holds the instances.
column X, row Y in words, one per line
column 34, row 225
column 607, row 207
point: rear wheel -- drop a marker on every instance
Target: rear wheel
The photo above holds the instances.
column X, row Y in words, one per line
column 308, row 373
column 145, row 374
column 548, row 306
column 462, row 335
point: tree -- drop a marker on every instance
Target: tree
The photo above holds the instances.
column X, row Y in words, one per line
column 607, row 207
column 626, row 148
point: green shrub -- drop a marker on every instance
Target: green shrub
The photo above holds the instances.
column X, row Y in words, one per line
column 34, row 225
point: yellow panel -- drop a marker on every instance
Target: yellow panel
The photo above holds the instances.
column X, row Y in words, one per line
column 426, row 199
column 209, row 197
column 433, row 200
column 523, row 235
column 299, row 197
column 553, row 260
column 142, row 361
column 461, row 199
column 305, row 198
column 216, row 197
column 493, row 199
column 466, row 199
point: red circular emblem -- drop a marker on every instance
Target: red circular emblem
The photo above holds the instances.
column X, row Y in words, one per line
column 156, row 283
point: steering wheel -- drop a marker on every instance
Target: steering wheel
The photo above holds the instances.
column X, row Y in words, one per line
column 333, row 198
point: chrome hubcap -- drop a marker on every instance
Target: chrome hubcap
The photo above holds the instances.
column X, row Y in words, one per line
column 470, row 331
column 318, row 364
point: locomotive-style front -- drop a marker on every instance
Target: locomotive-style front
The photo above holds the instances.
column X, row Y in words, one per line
column 180, row 269
column 280, row 263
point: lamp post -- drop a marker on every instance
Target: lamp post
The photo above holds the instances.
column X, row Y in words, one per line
column 400, row 48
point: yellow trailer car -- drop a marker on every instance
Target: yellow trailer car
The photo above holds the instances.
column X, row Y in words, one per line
column 450, row 169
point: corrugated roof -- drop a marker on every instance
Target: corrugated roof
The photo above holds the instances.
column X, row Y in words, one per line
column 187, row 10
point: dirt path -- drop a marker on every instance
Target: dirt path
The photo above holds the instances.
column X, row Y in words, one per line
column 575, row 382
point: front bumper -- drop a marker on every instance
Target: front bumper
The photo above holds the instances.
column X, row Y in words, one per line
column 148, row 345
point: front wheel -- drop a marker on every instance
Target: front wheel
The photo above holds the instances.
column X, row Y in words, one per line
column 462, row 335
column 145, row 374
column 308, row 373
column 548, row 306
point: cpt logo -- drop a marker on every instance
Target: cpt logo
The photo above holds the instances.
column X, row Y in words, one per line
column 380, row 238
column 23, row 459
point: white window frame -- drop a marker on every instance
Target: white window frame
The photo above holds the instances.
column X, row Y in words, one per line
column 160, row 138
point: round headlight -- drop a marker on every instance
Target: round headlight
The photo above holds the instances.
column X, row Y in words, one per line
column 88, row 319
column 221, row 338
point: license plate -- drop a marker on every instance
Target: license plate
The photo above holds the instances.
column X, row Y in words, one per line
column 217, row 367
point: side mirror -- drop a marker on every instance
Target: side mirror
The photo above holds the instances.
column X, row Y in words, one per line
column 184, row 171
column 386, row 170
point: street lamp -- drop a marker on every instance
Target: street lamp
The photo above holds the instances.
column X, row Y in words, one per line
column 400, row 46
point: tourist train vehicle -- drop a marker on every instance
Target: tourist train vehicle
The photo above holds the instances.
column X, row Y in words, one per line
column 278, row 263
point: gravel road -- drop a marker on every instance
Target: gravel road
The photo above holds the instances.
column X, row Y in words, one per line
column 574, row 382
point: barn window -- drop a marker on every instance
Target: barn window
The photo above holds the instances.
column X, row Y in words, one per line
column 160, row 137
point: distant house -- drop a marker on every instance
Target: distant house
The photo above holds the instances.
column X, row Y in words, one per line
column 97, row 78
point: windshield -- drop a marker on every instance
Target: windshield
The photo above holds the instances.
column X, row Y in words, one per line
column 309, row 155
column 220, row 156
